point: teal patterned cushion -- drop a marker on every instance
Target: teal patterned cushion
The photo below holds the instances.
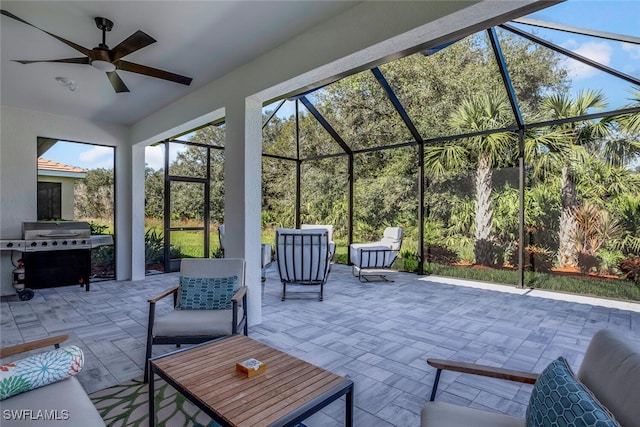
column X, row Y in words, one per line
column 206, row 293
column 559, row 399
column 39, row 370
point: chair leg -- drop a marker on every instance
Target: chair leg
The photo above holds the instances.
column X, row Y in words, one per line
column 146, row 359
column 284, row 290
column 152, row 310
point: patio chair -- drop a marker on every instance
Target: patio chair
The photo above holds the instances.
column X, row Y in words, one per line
column 329, row 228
column 371, row 259
column 210, row 302
column 266, row 253
column 607, row 384
column 303, row 257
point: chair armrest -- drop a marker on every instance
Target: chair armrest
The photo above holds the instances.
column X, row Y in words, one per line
column 484, row 370
column 240, row 293
column 163, row 295
column 28, row 346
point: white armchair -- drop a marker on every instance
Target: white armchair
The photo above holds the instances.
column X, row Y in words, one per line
column 303, row 257
column 371, row 259
column 266, row 253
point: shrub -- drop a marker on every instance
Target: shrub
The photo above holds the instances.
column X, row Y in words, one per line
column 536, row 258
column 588, row 263
column 97, row 228
column 441, row 254
column 154, row 248
column 609, row 260
column 409, row 260
column 630, row 267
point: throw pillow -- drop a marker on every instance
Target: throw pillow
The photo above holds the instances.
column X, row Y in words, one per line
column 206, row 293
column 560, row 399
column 39, row 370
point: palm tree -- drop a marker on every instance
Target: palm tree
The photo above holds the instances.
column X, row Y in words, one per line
column 631, row 121
column 480, row 113
column 560, row 106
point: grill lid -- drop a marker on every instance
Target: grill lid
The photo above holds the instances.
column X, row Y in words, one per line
column 55, row 230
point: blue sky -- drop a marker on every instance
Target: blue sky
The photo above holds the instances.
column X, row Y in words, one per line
column 621, row 17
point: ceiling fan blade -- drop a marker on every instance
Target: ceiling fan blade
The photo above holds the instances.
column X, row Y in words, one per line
column 135, row 41
column 116, row 82
column 83, row 60
column 65, row 41
column 153, row 72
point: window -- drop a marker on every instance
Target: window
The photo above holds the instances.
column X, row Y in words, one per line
column 49, row 200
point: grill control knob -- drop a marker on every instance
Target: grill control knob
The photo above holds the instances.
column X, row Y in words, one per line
column 73, row 242
column 34, row 244
column 64, row 242
column 10, row 245
column 54, row 243
column 44, row 243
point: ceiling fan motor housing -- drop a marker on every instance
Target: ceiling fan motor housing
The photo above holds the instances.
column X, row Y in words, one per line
column 104, row 24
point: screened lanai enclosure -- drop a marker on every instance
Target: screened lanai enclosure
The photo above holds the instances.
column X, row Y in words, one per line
column 498, row 162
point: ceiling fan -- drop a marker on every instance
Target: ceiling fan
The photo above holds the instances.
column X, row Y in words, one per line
column 110, row 60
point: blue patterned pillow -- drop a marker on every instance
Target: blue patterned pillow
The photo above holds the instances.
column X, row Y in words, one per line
column 559, row 399
column 39, row 370
column 206, row 293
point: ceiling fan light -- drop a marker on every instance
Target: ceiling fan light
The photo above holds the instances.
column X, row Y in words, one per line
column 101, row 65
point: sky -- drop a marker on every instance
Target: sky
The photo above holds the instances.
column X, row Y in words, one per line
column 620, row 17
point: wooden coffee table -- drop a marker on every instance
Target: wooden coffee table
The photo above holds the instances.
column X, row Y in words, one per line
column 286, row 393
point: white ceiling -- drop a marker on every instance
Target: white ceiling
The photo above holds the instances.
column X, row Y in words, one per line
column 199, row 39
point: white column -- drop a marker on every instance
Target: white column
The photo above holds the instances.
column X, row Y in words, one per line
column 243, row 178
column 123, row 173
column 137, row 213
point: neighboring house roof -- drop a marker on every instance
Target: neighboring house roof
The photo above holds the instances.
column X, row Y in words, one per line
column 51, row 168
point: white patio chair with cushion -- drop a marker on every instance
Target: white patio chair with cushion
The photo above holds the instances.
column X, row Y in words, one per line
column 266, row 253
column 329, row 228
column 371, row 259
column 303, row 257
column 210, row 302
column 607, row 386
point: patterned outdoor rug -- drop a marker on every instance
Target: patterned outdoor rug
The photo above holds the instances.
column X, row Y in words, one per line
column 127, row 405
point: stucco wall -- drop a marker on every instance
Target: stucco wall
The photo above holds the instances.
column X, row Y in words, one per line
column 20, row 130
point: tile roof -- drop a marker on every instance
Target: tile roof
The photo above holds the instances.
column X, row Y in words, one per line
column 49, row 165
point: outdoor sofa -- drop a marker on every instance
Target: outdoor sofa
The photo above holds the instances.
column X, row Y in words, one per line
column 62, row 403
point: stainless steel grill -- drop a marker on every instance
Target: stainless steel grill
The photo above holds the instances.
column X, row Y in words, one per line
column 56, row 253
column 56, row 236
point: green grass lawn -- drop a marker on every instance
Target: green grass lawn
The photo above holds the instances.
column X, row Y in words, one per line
column 617, row 289
column 190, row 244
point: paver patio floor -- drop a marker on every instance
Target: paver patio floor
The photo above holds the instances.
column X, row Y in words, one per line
column 379, row 334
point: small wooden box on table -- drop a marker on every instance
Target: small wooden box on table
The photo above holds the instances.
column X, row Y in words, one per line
column 287, row 392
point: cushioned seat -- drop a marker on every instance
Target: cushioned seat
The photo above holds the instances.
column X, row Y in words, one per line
column 63, row 395
column 369, row 259
column 201, row 322
column 450, row 415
